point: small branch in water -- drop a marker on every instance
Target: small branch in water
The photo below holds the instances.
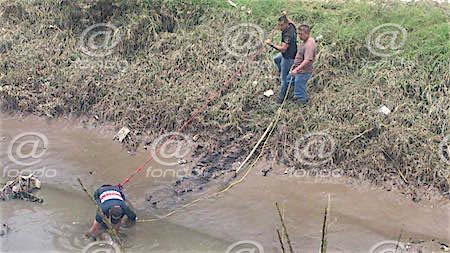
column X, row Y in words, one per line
column 286, row 234
column 398, row 239
column 323, row 245
column 105, row 219
column 281, row 240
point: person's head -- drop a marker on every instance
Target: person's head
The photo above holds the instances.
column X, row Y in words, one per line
column 303, row 32
column 283, row 23
column 116, row 214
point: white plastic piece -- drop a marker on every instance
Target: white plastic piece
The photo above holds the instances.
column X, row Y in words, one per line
column 268, row 93
column 122, row 134
column 384, row 110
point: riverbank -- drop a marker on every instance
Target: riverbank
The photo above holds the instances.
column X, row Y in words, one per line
column 170, row 57
column 360, row 218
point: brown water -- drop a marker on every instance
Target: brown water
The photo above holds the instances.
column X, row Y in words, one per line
column 359, row 218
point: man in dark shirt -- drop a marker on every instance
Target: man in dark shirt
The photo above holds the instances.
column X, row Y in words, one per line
column 111, row 200
column 287, row 49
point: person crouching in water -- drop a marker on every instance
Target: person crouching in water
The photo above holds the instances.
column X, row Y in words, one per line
column 111, row 201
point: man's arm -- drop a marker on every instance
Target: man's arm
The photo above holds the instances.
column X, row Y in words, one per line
column 129, row 213
column 284, row 13
column 94, row 230
column 304, row 62
column 281, row 48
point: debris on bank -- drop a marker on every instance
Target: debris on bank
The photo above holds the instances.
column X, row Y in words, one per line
column 268, row 93
column 177, row 60
column 384, row 110
column 21, row 188
column 120, row 136
column 4, row 229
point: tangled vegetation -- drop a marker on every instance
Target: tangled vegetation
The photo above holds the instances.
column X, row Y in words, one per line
column 173, row 59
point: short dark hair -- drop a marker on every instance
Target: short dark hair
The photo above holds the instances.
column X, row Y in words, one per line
column 283, row 19
column 116, row 213
column 304, row 28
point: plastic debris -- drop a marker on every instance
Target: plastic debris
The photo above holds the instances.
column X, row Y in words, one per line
column 384, row 110
column 120, row 136
column 196, row 137
column 268, row 93
column 231, row 3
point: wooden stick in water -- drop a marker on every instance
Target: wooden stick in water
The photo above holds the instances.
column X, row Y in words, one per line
column 398, row 240
column 281, row 241
column 286, row 234
column 323, row 245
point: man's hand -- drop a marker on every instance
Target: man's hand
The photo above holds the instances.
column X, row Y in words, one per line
column 283, row 13
column 293, row 72
column 268, row 42
column 129, row 222
column 89, row 236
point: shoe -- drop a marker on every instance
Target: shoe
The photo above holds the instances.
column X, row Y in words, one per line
column 301, row 102
column 279, row 101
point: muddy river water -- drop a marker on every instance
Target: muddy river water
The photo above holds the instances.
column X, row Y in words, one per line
column 360, row 218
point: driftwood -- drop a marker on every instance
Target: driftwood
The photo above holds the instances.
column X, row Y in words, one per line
column 280, row 239
column 323, row 245
column 21, row 188
column 286, row 234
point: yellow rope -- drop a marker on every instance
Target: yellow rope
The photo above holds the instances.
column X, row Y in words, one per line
column 270, row 128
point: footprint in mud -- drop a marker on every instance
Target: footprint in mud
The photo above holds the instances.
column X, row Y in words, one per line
column 162, row 197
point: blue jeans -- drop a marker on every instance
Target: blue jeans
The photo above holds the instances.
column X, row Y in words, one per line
column 284, row 66
column 300, row 86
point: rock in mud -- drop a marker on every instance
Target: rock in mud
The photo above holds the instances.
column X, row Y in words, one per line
column 4, row 229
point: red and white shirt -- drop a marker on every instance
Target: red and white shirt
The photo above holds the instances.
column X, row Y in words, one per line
column 111, row 194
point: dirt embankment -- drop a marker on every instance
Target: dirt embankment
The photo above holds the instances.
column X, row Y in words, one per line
column 171, row 57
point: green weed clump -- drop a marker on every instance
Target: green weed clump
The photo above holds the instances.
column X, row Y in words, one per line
column 171, row 58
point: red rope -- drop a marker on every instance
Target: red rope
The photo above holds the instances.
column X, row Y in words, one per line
column 191, row 117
